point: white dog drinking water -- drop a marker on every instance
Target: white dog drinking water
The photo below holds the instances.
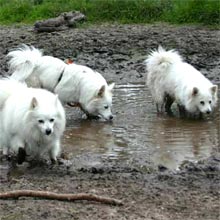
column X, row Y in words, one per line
column 73, row 83
column 171, row 79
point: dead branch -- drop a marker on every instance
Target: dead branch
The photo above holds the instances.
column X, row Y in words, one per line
column 63, row 21
column 59, row 196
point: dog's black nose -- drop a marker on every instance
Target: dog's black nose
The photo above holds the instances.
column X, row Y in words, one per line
column 110, row 117
column 48, row 131
column 208, row 112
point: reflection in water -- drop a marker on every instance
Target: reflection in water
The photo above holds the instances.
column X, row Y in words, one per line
column 181, row 140
column 96, row 137
column 137, row 131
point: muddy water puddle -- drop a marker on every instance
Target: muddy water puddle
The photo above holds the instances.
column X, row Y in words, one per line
column 138, row 133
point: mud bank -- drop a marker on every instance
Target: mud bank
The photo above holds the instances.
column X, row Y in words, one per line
column 149, row 191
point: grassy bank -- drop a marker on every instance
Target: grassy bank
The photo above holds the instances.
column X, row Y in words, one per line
column 206, row 12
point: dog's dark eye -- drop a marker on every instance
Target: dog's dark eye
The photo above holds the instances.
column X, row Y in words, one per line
column 51, row 120
column 210, row 102
column 41, row 121
column 202, row 103
column 106, row 107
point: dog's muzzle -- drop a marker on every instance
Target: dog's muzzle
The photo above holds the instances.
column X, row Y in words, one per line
column 48, row 131
column 208, row 112
column 111, row 117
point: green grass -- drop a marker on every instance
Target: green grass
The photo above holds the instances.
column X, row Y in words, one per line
column 195, row 11
column 205, row 12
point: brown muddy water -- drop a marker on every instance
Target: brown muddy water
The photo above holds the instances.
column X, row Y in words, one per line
column 139, row 133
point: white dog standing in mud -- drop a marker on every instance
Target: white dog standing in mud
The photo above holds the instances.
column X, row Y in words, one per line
column 171, row 79
column 73, row 83
column 32, row 120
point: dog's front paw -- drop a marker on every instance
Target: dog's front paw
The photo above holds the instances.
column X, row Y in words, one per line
column 84, row 116
column 90, row 117
column 53, row 161
column 21, row 155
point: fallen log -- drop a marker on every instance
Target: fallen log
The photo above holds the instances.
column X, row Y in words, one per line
column 63, row 21
column 59, row 196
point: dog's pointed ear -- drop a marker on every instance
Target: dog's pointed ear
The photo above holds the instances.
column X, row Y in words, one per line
column 195, row 91
column 34, row 103
column 160, row 48
column 101, row 91
column 111, row 86
column 214, row 89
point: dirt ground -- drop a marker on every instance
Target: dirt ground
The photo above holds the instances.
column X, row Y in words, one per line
column 148, row 191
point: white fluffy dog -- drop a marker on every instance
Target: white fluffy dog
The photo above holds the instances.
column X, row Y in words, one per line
column 32, row 120
column 73, row 83
column 171, row 79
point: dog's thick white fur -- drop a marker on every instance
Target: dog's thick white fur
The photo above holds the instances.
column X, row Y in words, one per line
column 171, row 79
column 32, row 119
column 73, row 83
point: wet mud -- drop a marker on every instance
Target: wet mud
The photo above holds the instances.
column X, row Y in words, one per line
column 161, row 167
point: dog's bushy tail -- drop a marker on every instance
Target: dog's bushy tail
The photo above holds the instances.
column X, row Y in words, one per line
column 159, row 60
column 23, row 61
column 8, row 87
